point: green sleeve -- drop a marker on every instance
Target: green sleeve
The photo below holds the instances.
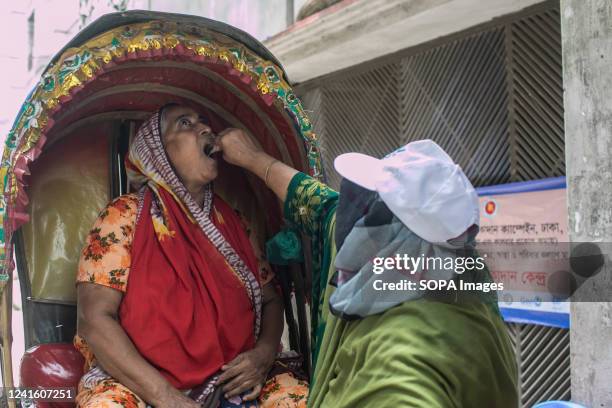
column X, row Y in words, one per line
column 310, row 207
column 309, row 204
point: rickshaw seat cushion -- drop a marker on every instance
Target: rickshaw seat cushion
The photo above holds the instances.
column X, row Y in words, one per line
column 51, row 365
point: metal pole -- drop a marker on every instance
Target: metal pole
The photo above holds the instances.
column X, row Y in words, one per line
column 290, row 12
column 6, row 336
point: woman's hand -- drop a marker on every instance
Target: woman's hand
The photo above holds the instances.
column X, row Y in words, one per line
column 238, row 148
column 175, row 399
column 247, row 371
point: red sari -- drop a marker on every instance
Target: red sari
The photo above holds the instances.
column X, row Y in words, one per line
column 185, row 309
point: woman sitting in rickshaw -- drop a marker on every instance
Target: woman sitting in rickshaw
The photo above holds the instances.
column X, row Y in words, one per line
column 172, row 294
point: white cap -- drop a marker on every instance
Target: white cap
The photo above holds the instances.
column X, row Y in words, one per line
column 421, row 185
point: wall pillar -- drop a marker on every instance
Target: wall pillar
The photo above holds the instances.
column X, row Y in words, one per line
column 586, row 27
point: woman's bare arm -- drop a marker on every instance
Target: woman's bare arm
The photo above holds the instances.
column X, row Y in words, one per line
column 272, row 321
column 98, row 325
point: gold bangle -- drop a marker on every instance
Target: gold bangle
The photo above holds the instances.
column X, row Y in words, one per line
column 268, row 171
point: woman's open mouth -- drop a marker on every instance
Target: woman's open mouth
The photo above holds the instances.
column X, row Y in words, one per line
column 211, row 147
column 208, row 149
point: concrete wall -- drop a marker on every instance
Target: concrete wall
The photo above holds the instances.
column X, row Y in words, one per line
column 587, row 77
column 261, row 18
column 355, row 31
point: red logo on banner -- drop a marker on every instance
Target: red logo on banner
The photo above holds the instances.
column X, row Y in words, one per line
column 490, row 207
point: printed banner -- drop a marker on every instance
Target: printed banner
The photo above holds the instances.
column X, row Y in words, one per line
column 524, row 237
